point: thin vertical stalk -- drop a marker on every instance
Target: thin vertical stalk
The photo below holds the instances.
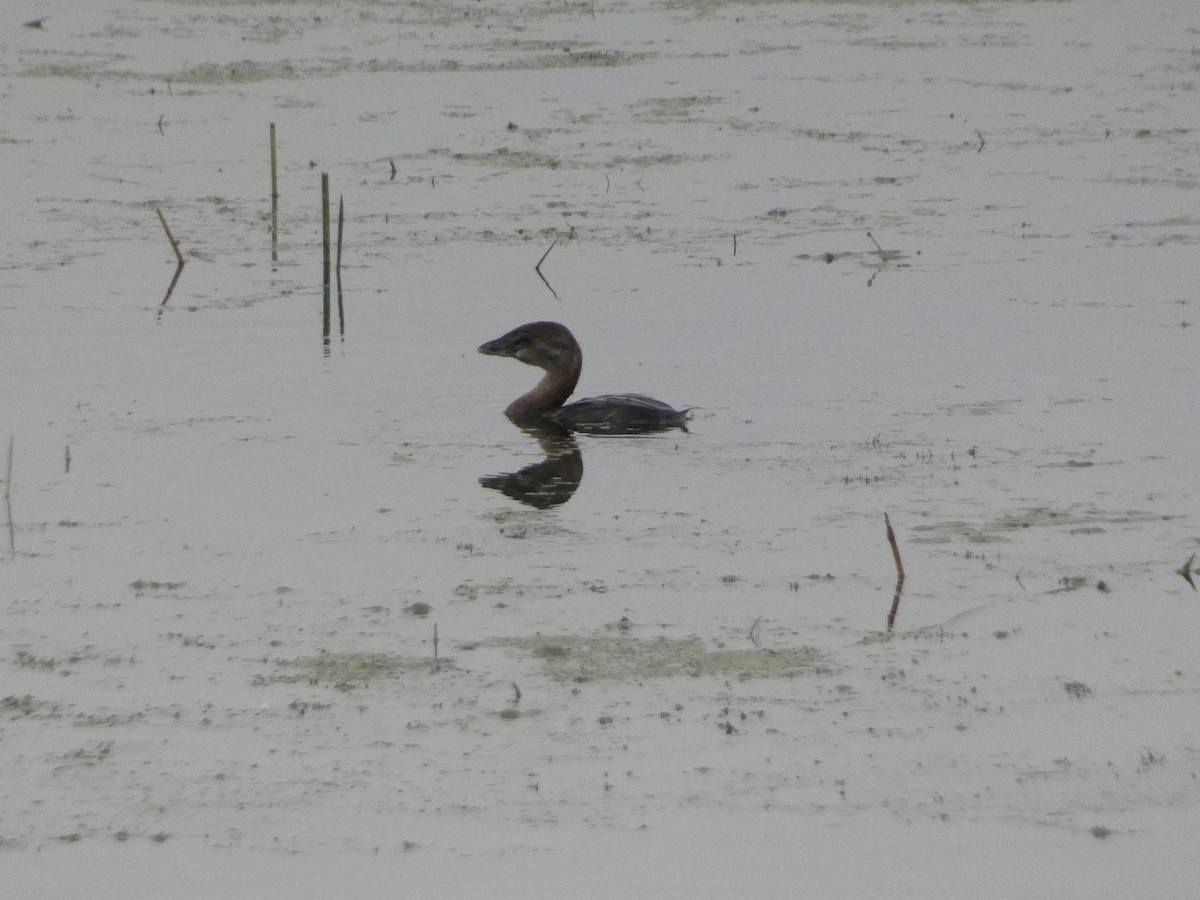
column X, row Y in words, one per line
column 325, row 253
column 274, row 201
column 338, row 268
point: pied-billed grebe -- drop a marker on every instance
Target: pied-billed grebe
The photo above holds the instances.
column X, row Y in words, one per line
column 552, row 347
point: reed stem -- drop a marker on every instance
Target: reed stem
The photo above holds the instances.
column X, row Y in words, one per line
column 274, row 201
column 338, row 268
column 325, row 254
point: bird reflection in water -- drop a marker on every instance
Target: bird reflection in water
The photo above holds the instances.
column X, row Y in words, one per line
column 549, row 482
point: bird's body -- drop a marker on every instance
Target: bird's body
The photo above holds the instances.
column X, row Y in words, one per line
column 552, row 347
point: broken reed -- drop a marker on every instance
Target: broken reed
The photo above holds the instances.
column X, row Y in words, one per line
column 178, row 258
column 891, row 537
column 170, row 237
column 274, row 202
column 538, row 267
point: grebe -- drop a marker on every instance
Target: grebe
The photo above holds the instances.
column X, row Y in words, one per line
column 552, row 347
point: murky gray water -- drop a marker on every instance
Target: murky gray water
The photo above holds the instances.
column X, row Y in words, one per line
column 929, row 260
